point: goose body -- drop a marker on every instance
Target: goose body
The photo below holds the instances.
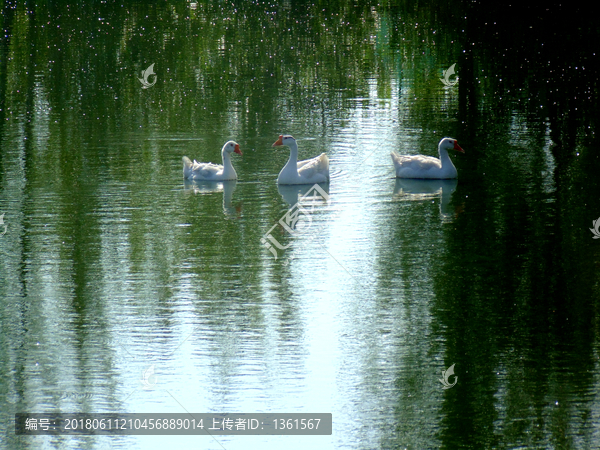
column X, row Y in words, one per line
column 309, row 171
column 212, row 172
column 427, row 167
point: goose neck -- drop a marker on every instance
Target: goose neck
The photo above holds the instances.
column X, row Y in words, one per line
column 293, row 151
column 444, row 157
column 291, row 165
column 227, row 167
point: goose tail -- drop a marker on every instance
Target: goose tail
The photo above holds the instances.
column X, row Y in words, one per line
column 187, row 167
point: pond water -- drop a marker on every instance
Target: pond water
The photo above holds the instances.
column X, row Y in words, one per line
column 125, row 289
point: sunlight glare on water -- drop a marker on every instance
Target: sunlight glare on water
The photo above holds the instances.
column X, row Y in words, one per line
column 127, row 289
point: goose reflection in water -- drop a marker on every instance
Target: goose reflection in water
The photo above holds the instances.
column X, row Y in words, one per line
column 210, row 187
column 421, row 190
column 291, row 193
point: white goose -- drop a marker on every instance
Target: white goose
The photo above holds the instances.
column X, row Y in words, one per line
column 420, row 166
column 212, row 172
column 309, row 171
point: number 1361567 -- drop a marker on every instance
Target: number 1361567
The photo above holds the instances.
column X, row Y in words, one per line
column 296, row 424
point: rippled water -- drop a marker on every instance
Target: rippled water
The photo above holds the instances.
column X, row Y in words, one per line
column 125, row 288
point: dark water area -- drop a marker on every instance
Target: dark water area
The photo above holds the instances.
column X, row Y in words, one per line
column 113, row 268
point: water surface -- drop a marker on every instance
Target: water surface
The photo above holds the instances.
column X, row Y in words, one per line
column 113, row 267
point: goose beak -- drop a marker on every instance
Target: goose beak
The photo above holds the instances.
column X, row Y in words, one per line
column 279, row 141
column 237, row 149
column 457, row 147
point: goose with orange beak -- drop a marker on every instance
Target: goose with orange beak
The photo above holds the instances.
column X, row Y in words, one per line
column 427, row 167
column 309, row 171
column 213, row 172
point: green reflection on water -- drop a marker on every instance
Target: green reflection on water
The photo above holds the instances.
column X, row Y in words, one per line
column 498, row 278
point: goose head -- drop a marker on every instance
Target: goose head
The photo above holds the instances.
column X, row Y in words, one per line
column 230, row 147
column 450, row 144
column 286, row 140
